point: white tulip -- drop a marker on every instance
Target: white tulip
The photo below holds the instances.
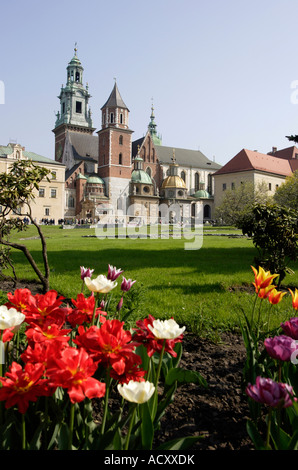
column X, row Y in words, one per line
column 166, row 329
column 101, row 284
column 136, row 392
column 10, row 317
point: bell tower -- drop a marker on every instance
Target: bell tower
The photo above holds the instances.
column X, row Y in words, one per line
column 115, row 147
column 74, row 114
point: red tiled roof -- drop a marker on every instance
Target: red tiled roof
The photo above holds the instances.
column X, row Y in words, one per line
column 294, row 165
column 247, row 160
column 288, row 153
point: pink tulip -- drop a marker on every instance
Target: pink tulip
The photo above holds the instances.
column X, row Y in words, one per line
column 280, row 347
column 126, row 284
column 113, row 273
column 120, row 304
column 86, row 272
column 290, row 328
column 268, row 392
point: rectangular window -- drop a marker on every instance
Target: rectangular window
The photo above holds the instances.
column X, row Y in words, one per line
column 269, row 186
column 78, row 107
column 47, row 211
column 53, row 193
column 232, row 185
column 54, row 175
column 224, row 186
column 41, row 192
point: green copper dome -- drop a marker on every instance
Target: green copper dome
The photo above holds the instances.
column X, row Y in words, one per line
column 140, row 176
column 202, row 194
column 81, row 177
column 95, row 180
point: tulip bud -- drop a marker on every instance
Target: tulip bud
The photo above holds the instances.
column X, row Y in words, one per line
column 126, row 284
column 136, row 392
column 120, row 303
column 113, row 273
column 86, row 272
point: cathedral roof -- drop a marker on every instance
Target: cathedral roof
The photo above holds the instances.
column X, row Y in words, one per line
column 95, row 180
column 140, row 176
column 173, row 181
column 185, row 157
column 85, row 146
column 201, row 193
column 115, row 100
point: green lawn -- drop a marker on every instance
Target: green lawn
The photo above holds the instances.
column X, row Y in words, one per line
column 200, row 288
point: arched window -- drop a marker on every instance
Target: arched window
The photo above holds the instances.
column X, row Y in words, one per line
column 120, row 158
column 197, row 181
column 112, row 118
column 121, row 140
column 148, row 171
column 183, row 175
column 71, row 201
column 207, row 212
column 121, row 118
column 209, row 189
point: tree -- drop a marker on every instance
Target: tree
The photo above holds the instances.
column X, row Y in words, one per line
column 274, row 231
column 17, row 188
column 293, row 138
column 287, row 193
column 237, row 203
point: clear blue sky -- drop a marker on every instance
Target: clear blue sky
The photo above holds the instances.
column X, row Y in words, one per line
column 219, row 72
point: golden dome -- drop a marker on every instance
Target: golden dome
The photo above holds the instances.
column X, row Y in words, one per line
column 173, row 181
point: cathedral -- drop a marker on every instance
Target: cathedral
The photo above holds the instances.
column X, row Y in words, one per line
column 111, row 177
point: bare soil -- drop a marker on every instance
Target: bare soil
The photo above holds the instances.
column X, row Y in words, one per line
column 219, row 412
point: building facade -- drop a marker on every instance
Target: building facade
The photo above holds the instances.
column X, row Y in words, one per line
column 48, row 203
column 107, row 173
column 270, row 169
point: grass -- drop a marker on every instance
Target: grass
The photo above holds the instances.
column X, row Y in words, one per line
column 202, row 288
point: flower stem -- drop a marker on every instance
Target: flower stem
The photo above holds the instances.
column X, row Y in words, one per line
column 94, row 310
column 253, row 310
column 24, row 446
column 108, row 381
column 130, row 428
column 154, row 407
column 268, row 429
column 159, row 364
column 71, row 423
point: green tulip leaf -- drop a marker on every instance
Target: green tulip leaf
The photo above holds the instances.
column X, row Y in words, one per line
column 183, row 376
column 180, row 444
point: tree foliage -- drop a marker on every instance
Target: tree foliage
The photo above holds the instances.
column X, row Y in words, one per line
column 274, row 231
column 287, row 194
column 237, row 203
column 17, row 192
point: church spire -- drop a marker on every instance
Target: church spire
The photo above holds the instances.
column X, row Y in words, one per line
column 74, row 98
column 115, row 113
column 152, row 128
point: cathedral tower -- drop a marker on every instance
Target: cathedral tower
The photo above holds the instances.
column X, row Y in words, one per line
column 74, row 114
column 114, row 148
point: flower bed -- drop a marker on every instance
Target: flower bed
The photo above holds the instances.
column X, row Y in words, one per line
column 58, row 358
